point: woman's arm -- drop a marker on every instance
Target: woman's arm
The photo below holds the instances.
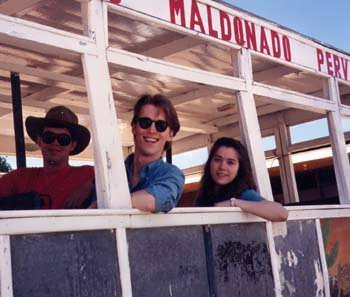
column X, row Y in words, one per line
column 268, row 210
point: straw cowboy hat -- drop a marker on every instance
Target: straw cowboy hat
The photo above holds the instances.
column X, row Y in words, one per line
column 60, row 116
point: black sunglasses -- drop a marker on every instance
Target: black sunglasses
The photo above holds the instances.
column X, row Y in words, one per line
column 145, row 123
column 62, row 138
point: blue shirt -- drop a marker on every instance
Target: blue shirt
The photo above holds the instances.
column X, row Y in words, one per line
column 250, row 195
column 162, row 180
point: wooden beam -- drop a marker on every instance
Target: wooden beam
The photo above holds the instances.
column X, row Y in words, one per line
column 46, row 94
column 42, row 38
column 143, row 63
column 172, row 47
column 273, row 73
column 293, row 99
column 197, row 127
column 341, row 161
column 12, row 7
column 75, row 83
column 6, row 283
column 249, row 125
column 111, row 181
column 193, row 95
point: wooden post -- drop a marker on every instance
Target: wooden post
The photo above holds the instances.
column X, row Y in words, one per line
column 289, row 185
column 6, row 289
column 250, row 129
column 111, row 181
column 18, row 120
column 340, row 156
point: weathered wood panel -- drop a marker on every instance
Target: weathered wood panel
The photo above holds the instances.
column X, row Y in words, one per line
column 168, row 262
column 242, row 260
column 300, row 264
column 74, row 264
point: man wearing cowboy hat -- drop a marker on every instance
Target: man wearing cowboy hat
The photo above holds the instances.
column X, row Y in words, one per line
column 58, row 136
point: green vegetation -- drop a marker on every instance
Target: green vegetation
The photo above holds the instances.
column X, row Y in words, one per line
column 4, row 165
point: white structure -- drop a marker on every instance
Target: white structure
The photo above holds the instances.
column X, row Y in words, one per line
column 226, row 71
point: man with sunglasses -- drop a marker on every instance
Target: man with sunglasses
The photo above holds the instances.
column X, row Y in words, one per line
column 59, row 185
column 154, row 185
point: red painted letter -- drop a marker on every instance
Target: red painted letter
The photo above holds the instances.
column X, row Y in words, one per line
column 116, row 1
column 320, row 59
column 196, row 18
column 225, row 23
column 286, row 49
column 276, row 48
column 344, row 63
column 212, row 32
column 238, row 27
column 329, row 63
column 336, row 63
column 263, row 42
column 250, row 35
column 176, row 7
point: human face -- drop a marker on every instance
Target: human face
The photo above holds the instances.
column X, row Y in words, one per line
column 149, row 142
column 54, row 154
column 224, row 165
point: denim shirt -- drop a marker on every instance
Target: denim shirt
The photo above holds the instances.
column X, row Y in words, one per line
column 162, row 180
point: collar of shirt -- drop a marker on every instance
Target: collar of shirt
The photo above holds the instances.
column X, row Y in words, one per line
column 145, row 176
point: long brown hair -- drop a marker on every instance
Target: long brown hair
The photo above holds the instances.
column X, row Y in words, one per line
column 207, row 196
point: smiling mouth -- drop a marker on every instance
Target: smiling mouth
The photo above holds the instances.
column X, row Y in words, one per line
column 150, row 139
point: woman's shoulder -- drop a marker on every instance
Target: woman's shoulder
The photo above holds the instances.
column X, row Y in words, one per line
column 251, row 195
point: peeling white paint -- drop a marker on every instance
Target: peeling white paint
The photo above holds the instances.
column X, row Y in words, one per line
column 280, row 229
column 292, row 259
column 170, row 291
column 319, row 282
column 301, row 227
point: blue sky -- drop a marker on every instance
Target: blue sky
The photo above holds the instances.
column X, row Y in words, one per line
column 326, row 21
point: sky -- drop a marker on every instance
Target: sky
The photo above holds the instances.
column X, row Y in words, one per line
column 324, row 20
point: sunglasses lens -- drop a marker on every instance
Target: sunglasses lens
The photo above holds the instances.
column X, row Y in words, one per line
column 161, row 125
column 145, row 123
column 63, row 139
column 48, row 137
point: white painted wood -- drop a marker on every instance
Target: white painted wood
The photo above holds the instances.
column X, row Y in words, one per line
column 323, row 258
column 111, row 180
column 6, row 289
column 293, row 99
column 123, row 260
column 62, row 80
column 173, row 47
column 27, row 222
column 193, row 95
column 275, row 264
column 140, row 62
column 197, row 127
column 15, row 6
column 250, row 130
column 13, row 28
column 289, row 185
column 340, row 156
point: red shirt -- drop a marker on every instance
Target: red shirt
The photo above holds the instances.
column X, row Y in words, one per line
column 59, row 185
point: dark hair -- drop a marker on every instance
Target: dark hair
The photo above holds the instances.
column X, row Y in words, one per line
column 207, row 195
column 165, row 104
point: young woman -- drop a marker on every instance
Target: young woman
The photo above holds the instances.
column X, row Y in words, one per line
column 228, row 181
